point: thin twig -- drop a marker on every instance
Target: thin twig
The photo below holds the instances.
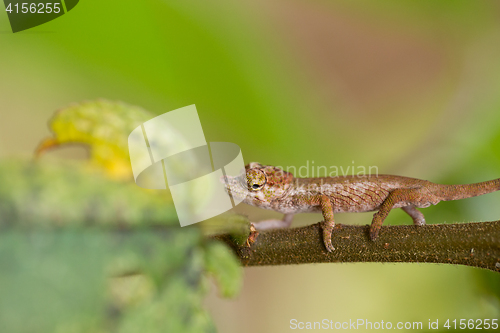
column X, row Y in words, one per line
column 474, row 244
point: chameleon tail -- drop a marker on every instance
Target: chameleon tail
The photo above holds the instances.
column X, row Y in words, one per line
column 457, row 192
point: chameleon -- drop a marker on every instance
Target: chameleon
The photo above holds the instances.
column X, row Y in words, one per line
column 270, row 187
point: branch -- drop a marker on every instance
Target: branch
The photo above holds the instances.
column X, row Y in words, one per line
column 474, row 244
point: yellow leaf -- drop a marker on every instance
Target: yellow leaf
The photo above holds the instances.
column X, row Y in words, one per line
column 101, row 125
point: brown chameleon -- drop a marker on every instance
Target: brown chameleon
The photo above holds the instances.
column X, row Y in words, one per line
column 272, row 188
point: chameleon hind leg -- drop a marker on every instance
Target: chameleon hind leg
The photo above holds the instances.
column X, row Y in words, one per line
column 416, row 215
column 396, row 196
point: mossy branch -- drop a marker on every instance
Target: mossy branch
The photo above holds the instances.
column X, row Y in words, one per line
column 474, row 244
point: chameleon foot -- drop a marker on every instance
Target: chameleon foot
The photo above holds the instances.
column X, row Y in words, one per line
column 416, row 215
column 327, row 235
column 253, row 235
column 374, row 233
column 376, row 226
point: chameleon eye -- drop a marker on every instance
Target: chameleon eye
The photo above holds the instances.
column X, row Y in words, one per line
column 256, row 179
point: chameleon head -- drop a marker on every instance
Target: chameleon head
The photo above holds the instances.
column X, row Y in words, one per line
column 260, row 185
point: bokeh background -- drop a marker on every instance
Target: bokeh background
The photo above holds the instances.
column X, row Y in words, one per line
column 412, row 87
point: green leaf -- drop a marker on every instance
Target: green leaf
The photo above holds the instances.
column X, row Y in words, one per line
column 84, row 250
column 68, row 194
column 63, row 281
column 224, row 267
column 81, row 252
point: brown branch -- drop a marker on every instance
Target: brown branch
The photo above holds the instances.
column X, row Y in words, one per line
column 474, row 244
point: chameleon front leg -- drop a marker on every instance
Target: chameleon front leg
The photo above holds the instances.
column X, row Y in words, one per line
column 274, row 223
column 329, row 223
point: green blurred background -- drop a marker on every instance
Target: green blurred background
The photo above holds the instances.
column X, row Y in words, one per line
column 412, row 87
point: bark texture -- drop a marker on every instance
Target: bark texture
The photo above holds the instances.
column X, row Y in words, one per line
column 474, row 244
